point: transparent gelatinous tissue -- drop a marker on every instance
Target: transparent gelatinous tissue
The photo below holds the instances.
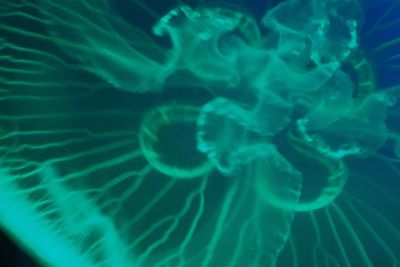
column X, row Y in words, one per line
column 199, row 135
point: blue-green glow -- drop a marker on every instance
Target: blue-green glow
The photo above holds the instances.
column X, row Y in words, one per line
column 201, row 135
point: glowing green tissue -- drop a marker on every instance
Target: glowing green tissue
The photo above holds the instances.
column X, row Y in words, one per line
column 195, row 134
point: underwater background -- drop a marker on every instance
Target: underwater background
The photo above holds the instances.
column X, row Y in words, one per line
column 109, row 157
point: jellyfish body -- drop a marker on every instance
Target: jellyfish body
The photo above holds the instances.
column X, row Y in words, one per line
column 205, row 153
column 96, row 177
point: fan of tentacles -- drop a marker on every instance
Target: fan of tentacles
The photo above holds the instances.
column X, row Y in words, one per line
column 268, row 115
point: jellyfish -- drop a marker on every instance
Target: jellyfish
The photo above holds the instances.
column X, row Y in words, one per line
column 88, row 158
column 199, row 135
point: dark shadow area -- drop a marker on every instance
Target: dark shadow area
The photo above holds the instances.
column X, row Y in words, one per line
column 12, row 256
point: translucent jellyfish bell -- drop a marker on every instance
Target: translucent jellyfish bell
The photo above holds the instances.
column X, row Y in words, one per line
column 225, row 140
column 85, row 170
